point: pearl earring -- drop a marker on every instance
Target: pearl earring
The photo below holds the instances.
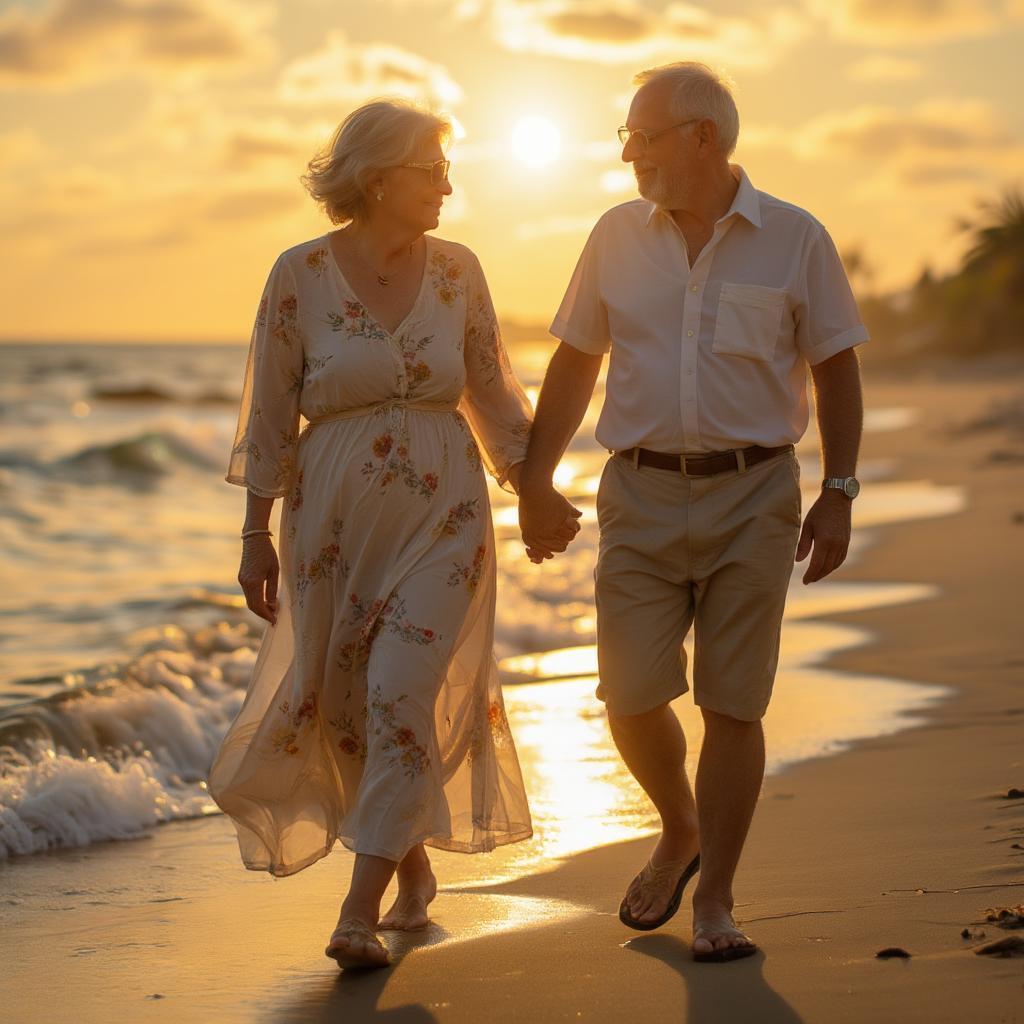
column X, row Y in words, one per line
column 380, row 197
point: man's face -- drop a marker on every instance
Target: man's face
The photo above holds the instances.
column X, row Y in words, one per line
column 662, row 167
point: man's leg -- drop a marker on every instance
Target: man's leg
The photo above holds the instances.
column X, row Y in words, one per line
column 729, row 776
column 654, row 748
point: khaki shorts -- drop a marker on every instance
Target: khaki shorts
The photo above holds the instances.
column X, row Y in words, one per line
column 715, row 552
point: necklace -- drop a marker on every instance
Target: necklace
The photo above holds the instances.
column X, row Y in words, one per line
column 383, row 280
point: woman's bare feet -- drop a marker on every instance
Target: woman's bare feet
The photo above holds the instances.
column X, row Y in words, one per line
column 715, row 935
column 355, row 944
column 417, row 887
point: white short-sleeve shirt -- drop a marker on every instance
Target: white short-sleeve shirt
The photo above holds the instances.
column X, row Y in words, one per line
column 714, row 356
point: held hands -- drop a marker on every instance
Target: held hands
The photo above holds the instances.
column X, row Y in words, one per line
column 548, row 522
column 258, row 575
column 826, row 529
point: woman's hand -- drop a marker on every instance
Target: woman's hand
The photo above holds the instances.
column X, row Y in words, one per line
column 258, row 575
column 547, row 520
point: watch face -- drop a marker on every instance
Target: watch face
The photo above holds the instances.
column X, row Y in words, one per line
column 851, row 488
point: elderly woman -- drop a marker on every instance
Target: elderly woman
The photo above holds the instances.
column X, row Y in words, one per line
column 374, row 714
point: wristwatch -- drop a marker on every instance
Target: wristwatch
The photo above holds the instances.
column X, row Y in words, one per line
column 849, row 485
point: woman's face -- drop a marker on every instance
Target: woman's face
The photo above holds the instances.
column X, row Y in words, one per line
column 410, row 198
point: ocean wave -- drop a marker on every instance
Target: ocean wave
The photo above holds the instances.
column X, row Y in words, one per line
column 120, row 754
column 147, row 393
column 151, row 454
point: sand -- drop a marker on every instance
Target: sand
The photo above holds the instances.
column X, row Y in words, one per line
column 903, row 841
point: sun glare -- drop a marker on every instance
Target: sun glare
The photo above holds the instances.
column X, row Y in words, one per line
column 536, row 141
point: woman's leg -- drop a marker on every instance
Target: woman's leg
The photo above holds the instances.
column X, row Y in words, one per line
column 417, row 887
column 370, row 878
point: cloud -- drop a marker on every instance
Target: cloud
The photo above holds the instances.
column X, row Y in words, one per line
column 880, row 67
column 908, row 22
column 252, row 145
column 607, row 25
column 341, row 74
column 628, row 32
column 941, row 174
column 944, row 147
column 956, row 127
column 79, row 40
column 618, row 181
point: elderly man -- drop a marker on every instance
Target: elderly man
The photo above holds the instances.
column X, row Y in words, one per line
column 712, row 298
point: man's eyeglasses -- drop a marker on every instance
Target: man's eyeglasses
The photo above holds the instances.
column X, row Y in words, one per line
column 438, row 170
column 646, row 135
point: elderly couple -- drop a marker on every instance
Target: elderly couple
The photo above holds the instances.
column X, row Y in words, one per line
column 374, row 714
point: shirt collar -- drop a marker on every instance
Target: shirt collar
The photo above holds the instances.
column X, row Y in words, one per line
column 746, row 202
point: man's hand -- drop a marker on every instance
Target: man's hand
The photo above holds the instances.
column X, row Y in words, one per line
column 547, row 521
column 826, row 529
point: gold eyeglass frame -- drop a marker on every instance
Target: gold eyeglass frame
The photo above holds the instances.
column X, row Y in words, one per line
column 625, row 135
column 445, row 166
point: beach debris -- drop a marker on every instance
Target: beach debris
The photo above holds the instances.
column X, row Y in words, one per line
column 1014, row 794
column 1006, row 917
column 1012, row 945
column 157, row 995
column 968, row 934
column 892, row 952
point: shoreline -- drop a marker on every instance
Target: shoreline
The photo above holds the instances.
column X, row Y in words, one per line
column 875, row 823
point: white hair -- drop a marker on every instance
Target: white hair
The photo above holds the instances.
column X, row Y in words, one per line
column 382, row 133
column 699, row 91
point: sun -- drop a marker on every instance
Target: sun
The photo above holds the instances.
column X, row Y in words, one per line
column 536, row 140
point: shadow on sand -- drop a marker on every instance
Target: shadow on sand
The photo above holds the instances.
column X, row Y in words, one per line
column 353, row 995
column 718, row 992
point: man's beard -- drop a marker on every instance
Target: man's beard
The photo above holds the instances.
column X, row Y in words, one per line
column 660, row 190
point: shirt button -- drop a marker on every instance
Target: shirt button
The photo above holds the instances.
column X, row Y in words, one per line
column 689, row 334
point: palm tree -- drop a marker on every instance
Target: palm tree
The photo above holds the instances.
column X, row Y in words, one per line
column 985, row 299
column 1000, row 236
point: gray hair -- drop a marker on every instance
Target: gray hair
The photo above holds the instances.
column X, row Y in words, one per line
column 379, row 134
column 699, row 91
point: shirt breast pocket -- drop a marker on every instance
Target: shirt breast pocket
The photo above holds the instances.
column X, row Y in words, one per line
column 749, row 320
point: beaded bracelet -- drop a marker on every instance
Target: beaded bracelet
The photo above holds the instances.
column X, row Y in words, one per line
column 256, row 533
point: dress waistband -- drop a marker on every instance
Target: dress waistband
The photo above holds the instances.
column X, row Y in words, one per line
column 397, row 403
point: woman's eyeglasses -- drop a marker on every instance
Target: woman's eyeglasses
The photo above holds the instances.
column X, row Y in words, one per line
column 438, row 170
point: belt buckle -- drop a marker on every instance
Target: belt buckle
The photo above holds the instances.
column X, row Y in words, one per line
column 682, row 465
column 741, row 460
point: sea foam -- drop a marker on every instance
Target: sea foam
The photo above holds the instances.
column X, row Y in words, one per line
column 118, row 755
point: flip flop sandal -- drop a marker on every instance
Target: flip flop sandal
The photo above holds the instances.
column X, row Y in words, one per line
column 654, row 879
column 351, row 928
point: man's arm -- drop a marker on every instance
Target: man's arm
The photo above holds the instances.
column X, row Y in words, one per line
column 840, row 412
column 544, row 515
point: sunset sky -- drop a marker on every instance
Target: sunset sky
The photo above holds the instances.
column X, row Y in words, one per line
column 150, row 149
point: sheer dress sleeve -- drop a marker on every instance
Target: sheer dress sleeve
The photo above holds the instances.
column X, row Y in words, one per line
column 495, row 405
column 263, row 454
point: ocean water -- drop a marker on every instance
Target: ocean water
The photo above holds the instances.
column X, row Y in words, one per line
column 125, row 647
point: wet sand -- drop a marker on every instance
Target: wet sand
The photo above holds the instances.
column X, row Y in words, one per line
column 902, row 841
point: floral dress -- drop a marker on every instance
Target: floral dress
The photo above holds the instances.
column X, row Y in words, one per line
column 374, row 714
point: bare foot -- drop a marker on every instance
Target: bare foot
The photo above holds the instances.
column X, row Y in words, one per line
column 647, row 897
column 355, row 944
column 715, row 934
column 409, row 912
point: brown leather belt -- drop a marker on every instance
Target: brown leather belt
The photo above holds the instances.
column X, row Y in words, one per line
column 704, row 465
